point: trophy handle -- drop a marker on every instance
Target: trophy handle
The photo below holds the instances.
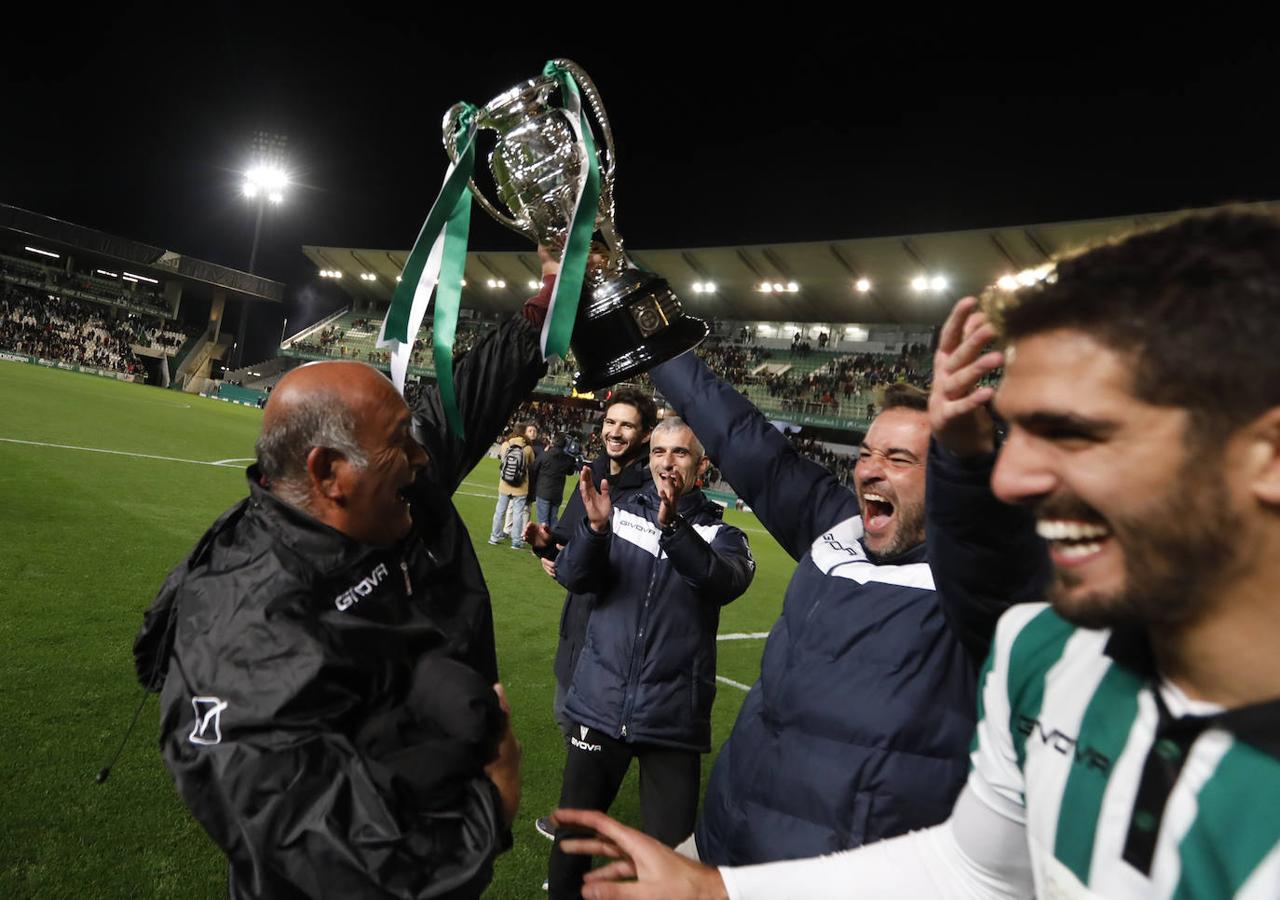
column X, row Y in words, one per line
column 597, row 108
column 450, row 128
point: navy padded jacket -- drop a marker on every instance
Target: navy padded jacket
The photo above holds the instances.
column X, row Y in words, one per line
column 859, row 725
column 647, row 671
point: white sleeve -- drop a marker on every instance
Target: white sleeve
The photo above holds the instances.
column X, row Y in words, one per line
column 978, row 853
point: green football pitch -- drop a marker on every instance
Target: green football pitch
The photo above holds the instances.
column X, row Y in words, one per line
column 105, row 486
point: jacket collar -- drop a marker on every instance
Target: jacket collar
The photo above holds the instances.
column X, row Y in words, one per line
column 321, row 545
column 633, row 474
column 1257, row 724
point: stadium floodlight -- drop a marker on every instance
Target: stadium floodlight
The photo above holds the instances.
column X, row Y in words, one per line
column 777, row 288
column 264, row 184
column 129, row 278
column 1007, row 283
column 920, row 284
column 792, row 287
column 697, row 287
column 862, row 285
column 398, row 278
column 938, row 283
column 463, row 282
column 105, row 272
column 140, row 277
column 533, row 285
column 709, row 287
column 44, row 252
column 766, row 287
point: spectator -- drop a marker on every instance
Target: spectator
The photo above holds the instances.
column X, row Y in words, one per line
column 514, row 459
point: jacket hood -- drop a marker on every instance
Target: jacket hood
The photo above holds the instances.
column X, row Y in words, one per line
column 327, row 550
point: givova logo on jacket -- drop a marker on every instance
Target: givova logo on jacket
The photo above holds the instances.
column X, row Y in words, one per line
column 353, row 594
column 208, row 727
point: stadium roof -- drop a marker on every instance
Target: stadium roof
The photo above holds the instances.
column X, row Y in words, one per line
column 99, row 246
column 825, row 273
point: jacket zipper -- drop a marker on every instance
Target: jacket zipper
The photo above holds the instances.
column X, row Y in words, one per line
column 636, row 651
column 408, row 585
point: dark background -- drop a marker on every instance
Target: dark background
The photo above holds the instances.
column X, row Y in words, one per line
column 732, row 129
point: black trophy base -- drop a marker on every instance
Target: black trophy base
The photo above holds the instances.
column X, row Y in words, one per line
column 628, row 325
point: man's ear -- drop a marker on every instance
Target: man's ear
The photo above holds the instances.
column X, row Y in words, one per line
column 326, row 471
column 1263, row 456
column 702, row 465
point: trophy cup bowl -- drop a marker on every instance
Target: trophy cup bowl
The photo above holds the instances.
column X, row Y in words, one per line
column 628, row 320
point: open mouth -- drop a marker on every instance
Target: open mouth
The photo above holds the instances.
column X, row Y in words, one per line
column 616, row 445
column 1073, row 542
column 879, row 511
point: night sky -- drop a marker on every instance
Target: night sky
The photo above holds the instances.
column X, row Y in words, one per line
column 730, row 129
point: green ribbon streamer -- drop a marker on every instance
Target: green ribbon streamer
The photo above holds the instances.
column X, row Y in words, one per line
column 450, row 214
column 448, row 300
column 573, row 261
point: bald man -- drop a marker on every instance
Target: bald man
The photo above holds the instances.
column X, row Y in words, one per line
column 325, row 654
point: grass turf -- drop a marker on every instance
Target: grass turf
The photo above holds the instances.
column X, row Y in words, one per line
column 86, row 538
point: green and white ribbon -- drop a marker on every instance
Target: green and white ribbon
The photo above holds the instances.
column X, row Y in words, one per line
column 436, row 264
column 558, row 326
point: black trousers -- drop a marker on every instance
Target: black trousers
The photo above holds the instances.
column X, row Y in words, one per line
column 593, row 772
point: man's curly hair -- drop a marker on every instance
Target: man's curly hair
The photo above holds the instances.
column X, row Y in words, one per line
column 1195, row 305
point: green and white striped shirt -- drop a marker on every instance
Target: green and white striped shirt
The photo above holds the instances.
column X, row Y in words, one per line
column 1126, row 787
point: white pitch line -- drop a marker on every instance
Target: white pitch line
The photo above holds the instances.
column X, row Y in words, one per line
column 222, row 464
column 729, row 681
column 194, row 462
column 741, row 636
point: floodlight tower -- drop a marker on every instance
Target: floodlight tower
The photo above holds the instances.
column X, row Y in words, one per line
column 265, row 181
column 264, row 185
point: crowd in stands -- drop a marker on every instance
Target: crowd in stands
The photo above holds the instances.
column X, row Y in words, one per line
column 846, row 378
column 63, row 330
column 106, row 289
column 355, row 339
column 839, row 464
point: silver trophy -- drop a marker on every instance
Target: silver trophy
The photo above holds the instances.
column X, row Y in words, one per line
column 628, row 320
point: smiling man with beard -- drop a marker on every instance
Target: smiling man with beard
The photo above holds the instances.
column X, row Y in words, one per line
column 858, row 727
column 1128, row 743
column 629, row 417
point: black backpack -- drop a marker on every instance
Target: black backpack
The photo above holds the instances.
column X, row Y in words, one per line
column 513, row 466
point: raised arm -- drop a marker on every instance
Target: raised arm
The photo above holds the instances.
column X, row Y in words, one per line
column 491, row 380
column 985, row 555
column 583, row 564
column 794, row 497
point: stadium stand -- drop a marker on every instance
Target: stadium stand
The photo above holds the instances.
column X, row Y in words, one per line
column 86, row 334
column 81, row 286
column 818, row 386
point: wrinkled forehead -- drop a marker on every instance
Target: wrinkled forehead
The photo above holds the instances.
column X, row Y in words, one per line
column 681, row 438
column 899, row 429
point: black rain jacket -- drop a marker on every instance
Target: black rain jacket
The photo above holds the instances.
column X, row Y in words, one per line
column 326, row 708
